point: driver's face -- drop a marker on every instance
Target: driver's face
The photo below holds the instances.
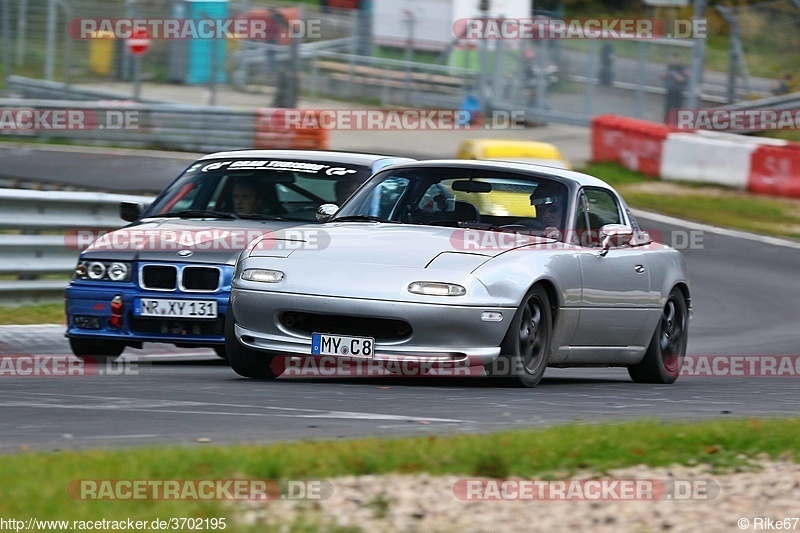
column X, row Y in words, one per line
column 245, row 199
column 551, row 215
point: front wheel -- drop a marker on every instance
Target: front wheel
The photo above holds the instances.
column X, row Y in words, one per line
column 664, row 357
column 96, row 351
column 526, row 346
column 244, row 361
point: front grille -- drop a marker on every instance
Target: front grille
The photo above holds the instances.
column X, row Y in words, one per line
column 187, row 328
column 200, row 279
column 379, row 328
column 159, row 277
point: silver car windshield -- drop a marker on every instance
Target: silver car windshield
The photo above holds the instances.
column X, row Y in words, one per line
column 460, row 198
column 253, row 189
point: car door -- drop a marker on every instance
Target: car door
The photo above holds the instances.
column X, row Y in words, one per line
column 616, row 286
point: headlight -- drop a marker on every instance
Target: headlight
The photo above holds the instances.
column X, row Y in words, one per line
column 103, row 270
column 118, row 272
column 262, row 275
column 436, row 288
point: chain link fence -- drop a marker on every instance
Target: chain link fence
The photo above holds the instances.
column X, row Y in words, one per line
column 407, row 54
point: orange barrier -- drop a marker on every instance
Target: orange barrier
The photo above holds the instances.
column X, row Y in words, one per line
column 633, row 143
column 775, row 170
column 273, row 132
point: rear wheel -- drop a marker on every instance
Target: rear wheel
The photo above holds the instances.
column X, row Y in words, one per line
column 244, row 361
column 96, row 351
column 664, row 357
column 526, row 347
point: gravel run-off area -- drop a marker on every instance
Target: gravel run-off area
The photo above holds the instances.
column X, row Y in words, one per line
column 698, row 500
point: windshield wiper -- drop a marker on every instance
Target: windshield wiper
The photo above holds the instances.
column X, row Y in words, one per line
column 199, row 213
column 361, row 218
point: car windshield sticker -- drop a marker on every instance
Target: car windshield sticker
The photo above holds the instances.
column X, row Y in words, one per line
column 296, row 166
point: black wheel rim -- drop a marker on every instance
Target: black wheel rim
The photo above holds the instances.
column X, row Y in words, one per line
column 671, row 335
column 532, row 335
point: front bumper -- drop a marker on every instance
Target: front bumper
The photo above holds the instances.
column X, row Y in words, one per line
column 444, row 334
column 93, row 302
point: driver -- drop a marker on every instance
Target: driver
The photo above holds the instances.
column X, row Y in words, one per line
column 246, row 197
column 550, row 201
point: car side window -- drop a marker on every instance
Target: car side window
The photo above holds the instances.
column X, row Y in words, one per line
column 596, row 208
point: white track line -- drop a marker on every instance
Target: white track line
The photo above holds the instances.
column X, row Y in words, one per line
column 738, row 234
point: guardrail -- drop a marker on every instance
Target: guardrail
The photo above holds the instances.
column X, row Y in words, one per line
column 34, row 226
column 153, row 125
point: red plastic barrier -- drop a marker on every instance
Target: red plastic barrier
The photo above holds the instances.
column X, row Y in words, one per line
column 775, row 170
column 272, row 131
column 633, row 143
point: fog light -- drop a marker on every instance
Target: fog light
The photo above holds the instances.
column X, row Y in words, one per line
column 492, row 316
column 86, row 322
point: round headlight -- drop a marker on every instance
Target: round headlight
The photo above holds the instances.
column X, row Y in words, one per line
column 118, row 271
column 96, row 270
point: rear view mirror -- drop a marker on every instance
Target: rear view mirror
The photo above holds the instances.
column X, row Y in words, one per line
column 130, row 211
column 471, row 186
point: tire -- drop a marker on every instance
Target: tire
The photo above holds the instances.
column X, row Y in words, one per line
column 244, row 361
column 96, row 351
column 526, row 346
column 221, row 352
column 664, row 357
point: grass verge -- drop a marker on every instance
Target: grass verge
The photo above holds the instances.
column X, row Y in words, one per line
column 47, row 313
column 549, row 453
column 717, row 206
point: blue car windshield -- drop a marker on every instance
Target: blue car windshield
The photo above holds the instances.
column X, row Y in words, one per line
column 262, row 189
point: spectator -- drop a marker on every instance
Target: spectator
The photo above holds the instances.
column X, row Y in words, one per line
column 676, row 77
column 606, row 64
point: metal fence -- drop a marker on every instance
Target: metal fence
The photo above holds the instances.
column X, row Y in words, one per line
column 411, row 56
column 36, row 253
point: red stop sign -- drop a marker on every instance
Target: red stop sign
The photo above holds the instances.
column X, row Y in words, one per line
column 138, row 43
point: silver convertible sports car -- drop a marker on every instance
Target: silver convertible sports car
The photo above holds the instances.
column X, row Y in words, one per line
column 511, row 267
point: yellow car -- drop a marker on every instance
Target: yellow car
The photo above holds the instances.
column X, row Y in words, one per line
column 509, row 202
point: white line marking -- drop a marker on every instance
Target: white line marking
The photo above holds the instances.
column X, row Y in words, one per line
column 664, row 219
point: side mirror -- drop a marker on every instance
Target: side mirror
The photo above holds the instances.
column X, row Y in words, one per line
column 130, row 211
column 614, row 234
column 326, row 211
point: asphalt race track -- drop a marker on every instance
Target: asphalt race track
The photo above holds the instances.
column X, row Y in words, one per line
column 745, row 294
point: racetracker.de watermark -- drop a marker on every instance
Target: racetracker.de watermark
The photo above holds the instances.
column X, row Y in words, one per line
column 601, row 28
column 199, row 489
column 741, row 366
column 393, row 119
column 585, row 489
column 48, row 366
column 35, row 119
column 205, row 28
column 735, row 119
column 197, row 240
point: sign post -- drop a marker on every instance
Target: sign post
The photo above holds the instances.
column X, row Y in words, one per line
column 138, row 44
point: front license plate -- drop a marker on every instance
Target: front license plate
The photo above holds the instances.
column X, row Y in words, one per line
column 177, row 308
column 324, row 344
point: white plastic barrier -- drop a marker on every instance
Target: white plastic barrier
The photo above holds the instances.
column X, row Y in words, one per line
column 706, row 159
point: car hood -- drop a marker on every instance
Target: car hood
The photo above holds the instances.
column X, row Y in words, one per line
column 398, row 245
column 209, row 240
